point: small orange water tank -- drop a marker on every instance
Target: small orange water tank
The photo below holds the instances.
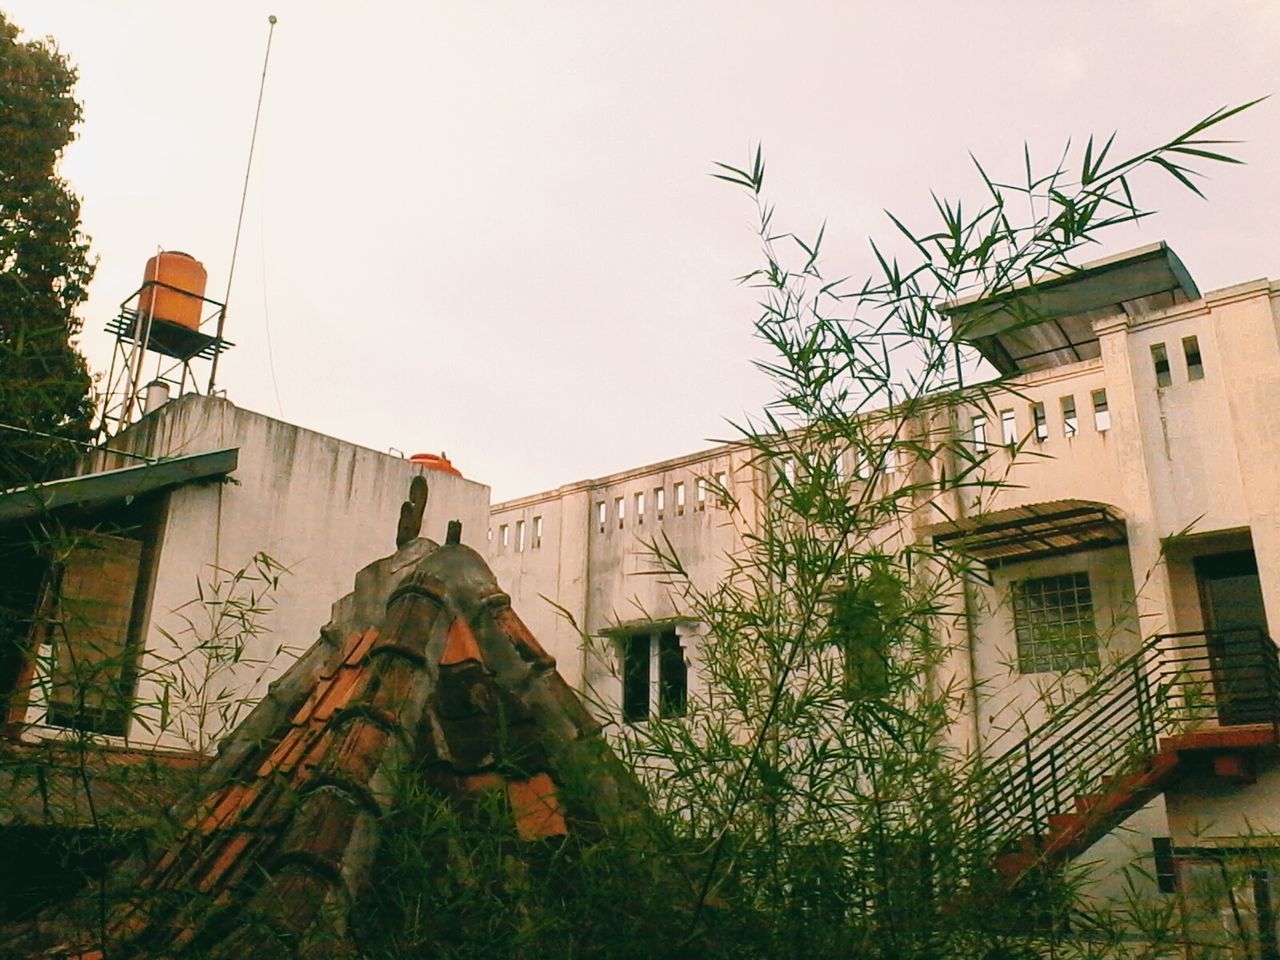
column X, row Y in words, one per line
column 435, row 461
column 181, row 306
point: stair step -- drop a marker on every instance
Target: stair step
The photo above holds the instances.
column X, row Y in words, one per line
column 1120, row 790
column 1063, row 823
column 1087, row 802
column 1013, row 865
column 1031, row 845
column 1235, row 767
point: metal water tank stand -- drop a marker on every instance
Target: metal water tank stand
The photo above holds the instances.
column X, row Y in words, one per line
column 139, row 337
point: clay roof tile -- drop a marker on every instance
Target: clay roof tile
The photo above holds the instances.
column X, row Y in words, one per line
column 305, row 785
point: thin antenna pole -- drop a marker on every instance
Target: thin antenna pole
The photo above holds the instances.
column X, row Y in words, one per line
column 244, row 194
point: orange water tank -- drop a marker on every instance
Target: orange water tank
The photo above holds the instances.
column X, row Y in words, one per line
column 435, row 461
column 183, row 305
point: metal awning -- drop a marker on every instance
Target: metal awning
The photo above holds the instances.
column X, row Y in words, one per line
column 22, row 503
column 1017, row 534
column 1048, row 321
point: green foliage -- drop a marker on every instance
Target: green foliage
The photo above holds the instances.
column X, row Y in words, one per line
column 820, row 752
column 204, row 672
column 454, row 882
column 45, row 269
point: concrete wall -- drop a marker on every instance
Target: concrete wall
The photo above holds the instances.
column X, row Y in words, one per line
column 1170, row 459
column 1208, row 809
column 603, row 573
column 1012, row 703
column 320, row 506
column 1196, row 455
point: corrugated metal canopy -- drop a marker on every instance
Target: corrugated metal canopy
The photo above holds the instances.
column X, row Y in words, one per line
column 24, row 502
column 1018, row 534
column 1048, row 321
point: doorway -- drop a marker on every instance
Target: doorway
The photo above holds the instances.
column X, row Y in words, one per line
column 1240, row 656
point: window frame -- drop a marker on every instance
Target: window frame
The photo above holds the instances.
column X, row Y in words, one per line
column 1193, row 356
column 1039, row 421
column 1161, row 366
column 1101, row 411
column 978, row 432
column 1009, row 427
column 655, row 658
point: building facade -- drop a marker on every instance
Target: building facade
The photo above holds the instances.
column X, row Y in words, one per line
column 166, row 628
column 1137, row 526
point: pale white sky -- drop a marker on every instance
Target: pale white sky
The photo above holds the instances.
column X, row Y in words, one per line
column 488, row 227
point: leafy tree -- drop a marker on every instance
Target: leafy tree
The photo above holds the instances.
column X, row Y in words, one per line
column 45, row 387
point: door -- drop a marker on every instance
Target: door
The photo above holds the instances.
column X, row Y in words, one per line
column 1240, row 657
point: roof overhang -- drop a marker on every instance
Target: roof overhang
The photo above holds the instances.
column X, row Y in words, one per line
column 1018, row 534
column 106, row 486
column 1047, row 321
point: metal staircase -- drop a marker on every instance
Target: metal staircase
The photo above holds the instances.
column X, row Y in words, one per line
column 1123, row 741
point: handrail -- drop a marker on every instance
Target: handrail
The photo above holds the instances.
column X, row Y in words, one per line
column 1113, row 728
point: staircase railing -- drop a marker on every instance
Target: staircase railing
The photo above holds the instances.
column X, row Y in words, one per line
column 1227, row 677
column 1172, row 684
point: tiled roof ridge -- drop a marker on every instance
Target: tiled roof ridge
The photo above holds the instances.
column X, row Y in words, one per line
column 450, row 686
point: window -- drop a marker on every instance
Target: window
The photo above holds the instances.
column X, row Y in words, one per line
column 859, row 464
column 489, row 537
column 979, row 425
column 537, row 532
column 660, row 500
column 1101, row 415
column 702, row 493
column 1070, row 423
column 639, row 509
column 1038, row 419
column 889, row 458
column 1160, row 360
column 722, row 482
column 1053, row 623
column 91, row 676
column 655, row 677
column 679, row 491
column 519, row 536
column 1191, row 350
column 620, row 510
column 1008, row 427
column 504, row 533
column 602, row 514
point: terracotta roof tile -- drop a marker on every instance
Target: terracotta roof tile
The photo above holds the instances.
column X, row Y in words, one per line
column 451, row 680
column 536, row 808
column 460, row 644
column 511, row 625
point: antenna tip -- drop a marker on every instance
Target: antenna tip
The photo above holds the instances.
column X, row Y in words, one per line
column 272, row 19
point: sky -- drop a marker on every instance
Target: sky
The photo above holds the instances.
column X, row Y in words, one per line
column 489, row 229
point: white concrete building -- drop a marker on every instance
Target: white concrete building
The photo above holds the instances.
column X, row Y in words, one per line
column 1139, row 525
column 180, row 501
